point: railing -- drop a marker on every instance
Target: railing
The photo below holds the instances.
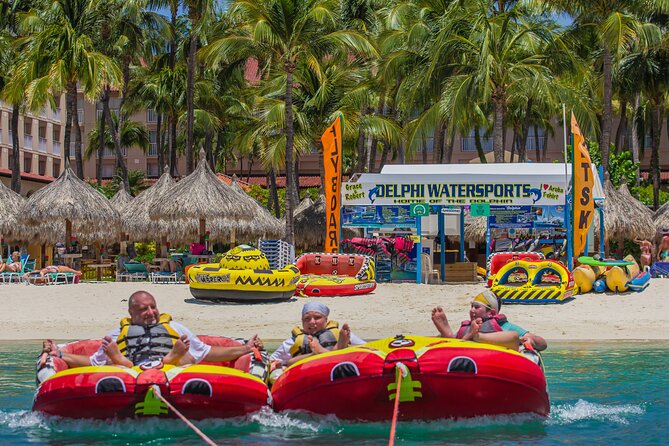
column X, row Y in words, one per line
column 153, row 149
column 98, row 113
column 28, row 141
column 111, row 153
column 80, row 115
column 469, row 144
column 532, row 143
column 56, row 147
column 151, row 115
column 42, row 113
column 56, row 114
column 42, row 144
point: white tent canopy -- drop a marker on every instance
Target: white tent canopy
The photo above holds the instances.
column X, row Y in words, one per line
column 464, row 184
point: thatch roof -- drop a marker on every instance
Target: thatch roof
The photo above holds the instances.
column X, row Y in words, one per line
column 624, row 216
column 70, row 200
column 120, row 200
column 310, row 226
column 263, row 224
column 475, row 231
column 11, row 206
column 661, row 219
column 136, row 221
column 304, row 204
column 202, row 196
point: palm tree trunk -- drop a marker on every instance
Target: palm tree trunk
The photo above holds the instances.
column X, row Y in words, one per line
column 442, row 145
column 449, row 148
column 479, row 145
column 120, row 162
column 101, row 138
column 16, row 153
column 498, row 129
column 159, row 142
column 296, row 182
column 622, row 125
column 321, row 164
column 290, row 205
column 190, row 98
column 424, row 147
column 72, row 89
column 605, row 142
column 525, row 131
column 437, row 139
column 173, row 145
column 537, row 149
column 656, row 133
column 635, row 136
column 67, row 137
column 273, row 193
column 514, row 144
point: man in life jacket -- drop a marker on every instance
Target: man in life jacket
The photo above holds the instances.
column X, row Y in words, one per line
column 487, row 325
column 316, row 335
column 150, row 337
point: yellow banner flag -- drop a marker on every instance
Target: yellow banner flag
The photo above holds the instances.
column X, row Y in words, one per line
column 584, row 203
column 332, row 154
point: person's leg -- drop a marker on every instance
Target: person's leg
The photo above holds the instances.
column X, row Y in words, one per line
column 2, row 267
column 67, row 269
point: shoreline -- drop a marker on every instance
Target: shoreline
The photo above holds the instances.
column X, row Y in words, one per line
column 90, row 310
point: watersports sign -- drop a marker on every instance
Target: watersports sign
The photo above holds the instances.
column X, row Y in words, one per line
column 463, row 193
column 378, row 217
column 332, row 155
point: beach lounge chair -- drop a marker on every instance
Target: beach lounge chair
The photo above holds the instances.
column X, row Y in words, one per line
column 134, row 272
column 175, row 277
column 17, row 276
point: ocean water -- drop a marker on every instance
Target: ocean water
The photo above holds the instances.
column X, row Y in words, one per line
column 601, row 393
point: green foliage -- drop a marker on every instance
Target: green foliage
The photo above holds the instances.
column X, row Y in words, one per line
column 146, row 252
column 621, row 166
column 261, row 195
column 136, row 180
column 644, row 193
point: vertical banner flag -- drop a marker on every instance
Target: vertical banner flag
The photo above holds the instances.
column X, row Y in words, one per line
column 584, row 203
column 332, row 153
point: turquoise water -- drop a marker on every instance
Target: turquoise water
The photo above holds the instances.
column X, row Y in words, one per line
column 601, row 393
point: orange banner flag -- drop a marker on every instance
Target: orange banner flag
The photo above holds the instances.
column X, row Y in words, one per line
column 584, row 203
column 332, row 154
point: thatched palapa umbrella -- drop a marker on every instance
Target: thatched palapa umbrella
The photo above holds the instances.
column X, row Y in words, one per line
column 476, row 230
column 263, row 224
column 661, row 219
column 120, row 200
column 75, row 205
column 310, row 226
column 202, row 196
column 624, row 216
column 11, row 206
column 136, row 221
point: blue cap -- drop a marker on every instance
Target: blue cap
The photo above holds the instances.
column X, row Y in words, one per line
column 317, row 307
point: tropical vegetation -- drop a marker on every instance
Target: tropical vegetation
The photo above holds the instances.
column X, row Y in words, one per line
column 260, row 80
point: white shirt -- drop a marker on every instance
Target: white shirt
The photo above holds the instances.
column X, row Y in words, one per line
column 283, row 352
column 197, row 350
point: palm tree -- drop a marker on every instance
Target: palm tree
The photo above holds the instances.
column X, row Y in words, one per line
column 60, row 55
column 286, row 32
column 615, row 27
column 498, row 52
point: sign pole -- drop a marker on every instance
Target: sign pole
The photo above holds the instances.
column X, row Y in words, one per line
column 462, row 235
column 567, row 206
column 419, row 250
column 442, row 242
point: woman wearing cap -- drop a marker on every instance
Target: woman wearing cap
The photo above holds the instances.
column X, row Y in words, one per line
column 316, row 335
column 485, row 324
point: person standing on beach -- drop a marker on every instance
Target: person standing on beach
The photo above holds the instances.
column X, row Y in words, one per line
column 663, row 250
column 316, row 335
column 646, row 252
column 486, row 325
column 147, row 337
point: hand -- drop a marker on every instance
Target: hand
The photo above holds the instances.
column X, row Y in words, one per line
column 255, row 342
column 474, row 328
column 316, row 346
column 50, row 348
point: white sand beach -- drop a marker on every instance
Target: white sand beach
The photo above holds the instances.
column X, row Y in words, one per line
column 90, row 310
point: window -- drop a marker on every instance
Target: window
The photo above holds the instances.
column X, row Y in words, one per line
column 41, row 167
column 56, row 168
column 152, row 170
column 469, row 142
column 151, row 115
column 27, row 163
column 107, row 171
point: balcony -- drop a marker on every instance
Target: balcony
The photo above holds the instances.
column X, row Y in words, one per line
column 151, row 115
column 56, row 147
column 469, row 144
column 56, row 114
column 42, row 145
column 42, row 113
column 111, row 153
column 98, row 113
column 28, row 141
column 153, row 149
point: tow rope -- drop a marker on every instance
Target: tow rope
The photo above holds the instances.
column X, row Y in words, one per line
column 402, row 372
column 156, row 392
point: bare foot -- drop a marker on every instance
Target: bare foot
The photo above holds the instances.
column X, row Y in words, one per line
column 316, row 346
column 344, row 337
column 255, row 342
column 110, row 347
column 179, row 349
column 473, row 333
column 440, row 321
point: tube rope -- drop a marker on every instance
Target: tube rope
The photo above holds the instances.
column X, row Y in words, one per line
column 403, row 372
column 156, row 391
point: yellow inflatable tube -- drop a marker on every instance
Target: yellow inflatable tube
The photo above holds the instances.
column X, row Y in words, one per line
column 535, row 289
column 243, row 275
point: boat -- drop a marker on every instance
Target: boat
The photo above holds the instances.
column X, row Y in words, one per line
column 205, row 390
column 243, row 275
column 641, row 281
column 445, row 378
column 326, row 274
column 546, row 281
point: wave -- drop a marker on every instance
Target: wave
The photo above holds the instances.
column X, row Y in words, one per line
column 585, row 410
